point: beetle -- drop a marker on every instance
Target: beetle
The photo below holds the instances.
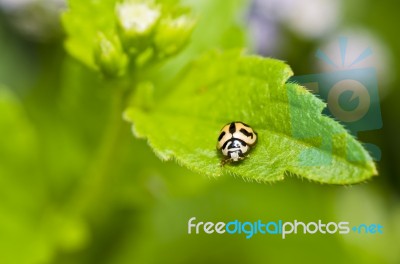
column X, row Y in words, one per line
column 235, row 141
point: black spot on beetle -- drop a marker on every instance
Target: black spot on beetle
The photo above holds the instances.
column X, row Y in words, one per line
column 246, row 133
column 221, row 135
column 232, row 128
column 224, row 145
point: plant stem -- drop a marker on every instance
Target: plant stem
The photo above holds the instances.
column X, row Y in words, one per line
column 95, row 182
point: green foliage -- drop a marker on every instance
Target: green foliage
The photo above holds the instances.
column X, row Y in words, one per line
column 116, row 37
column 124, row 37
column 224, row 87
column 77, row 187
column 18, row 184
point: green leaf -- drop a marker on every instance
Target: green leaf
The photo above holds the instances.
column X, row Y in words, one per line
column 221, row 88
column 224, row 87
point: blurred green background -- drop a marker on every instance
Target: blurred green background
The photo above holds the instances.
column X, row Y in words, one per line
column 70, row 195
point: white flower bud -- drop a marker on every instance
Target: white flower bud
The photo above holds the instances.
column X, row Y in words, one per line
column 137, row 18
column 172, row 34
column 136, row 21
